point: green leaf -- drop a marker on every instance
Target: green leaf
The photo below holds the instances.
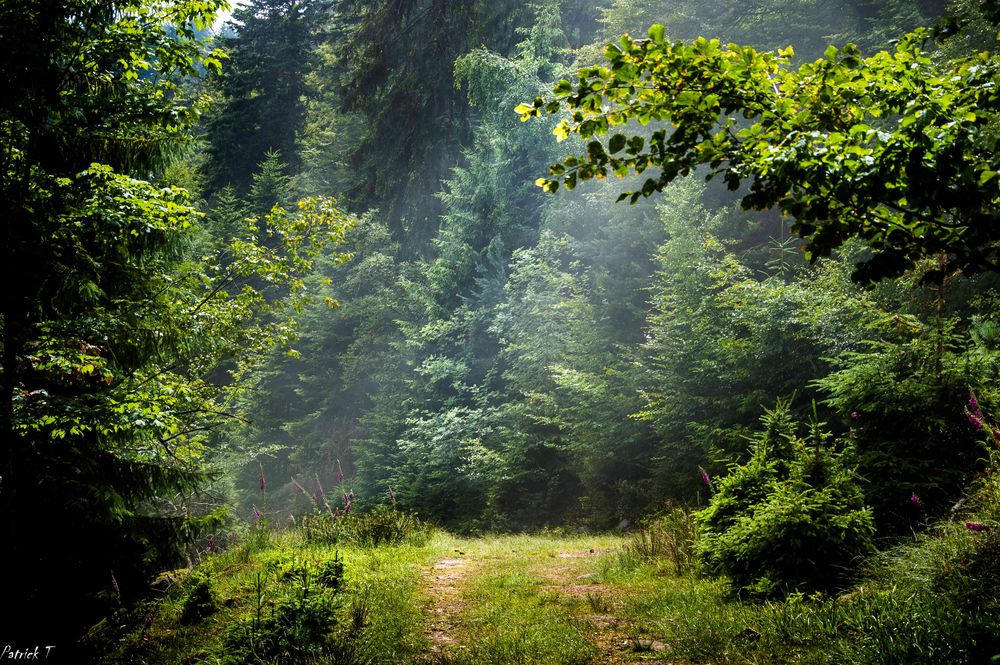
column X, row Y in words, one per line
column 616, row 143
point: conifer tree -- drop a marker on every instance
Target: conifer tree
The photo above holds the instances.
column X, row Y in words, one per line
column 264, row 89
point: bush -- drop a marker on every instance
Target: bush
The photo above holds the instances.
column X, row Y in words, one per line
column 385, row 525
column 792, row 519
column 907, row 405
column 299, row 625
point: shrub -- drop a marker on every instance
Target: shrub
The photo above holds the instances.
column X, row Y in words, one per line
column 299, row 624
column 385, row 525
column 792, row 519
column 907, row 405
column 669, row 539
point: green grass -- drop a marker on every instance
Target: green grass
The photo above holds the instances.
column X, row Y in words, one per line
column 379, row 615
column 535, row 599
column 514, row 614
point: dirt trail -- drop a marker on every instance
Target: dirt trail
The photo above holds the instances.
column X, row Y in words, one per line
column 568, row 574
column 599, row 609
column 443, row 589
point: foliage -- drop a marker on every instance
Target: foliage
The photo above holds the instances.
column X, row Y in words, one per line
column 771, row 24
column 792, row 518
column 905, row 400
column 728, row 329
column 295, row 626
column 415, row 118
column 263, row 89
column 896, row 148
column 119, row 333
column 198, row 601
column 93, row 103
column 381, row 526
column 668, row 540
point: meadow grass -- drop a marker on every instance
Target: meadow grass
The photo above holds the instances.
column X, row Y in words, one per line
column 514, row 614
column 535, row 598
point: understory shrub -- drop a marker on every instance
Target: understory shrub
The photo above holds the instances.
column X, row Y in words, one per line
column 298, row 624
column 916, row 439
column 199, row 601
column 384, row 525
column 793, row 518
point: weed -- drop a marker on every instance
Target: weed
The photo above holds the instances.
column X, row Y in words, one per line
column 385, row 525
column 669, row 539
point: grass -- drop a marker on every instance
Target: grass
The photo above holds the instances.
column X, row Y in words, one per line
column 513, row 612
column 558, row 601
column 378, row 616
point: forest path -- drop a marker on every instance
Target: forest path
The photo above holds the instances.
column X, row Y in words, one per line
column 532, row 599
column 442, row 588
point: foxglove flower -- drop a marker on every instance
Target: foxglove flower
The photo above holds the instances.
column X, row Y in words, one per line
column 916, row 502
column 976, row 526
column 704, row 476
column 391, row 494
column 340, row 472
column 854, row 415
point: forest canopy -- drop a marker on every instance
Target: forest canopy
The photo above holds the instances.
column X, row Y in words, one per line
column 895, row 148
column 295, row 269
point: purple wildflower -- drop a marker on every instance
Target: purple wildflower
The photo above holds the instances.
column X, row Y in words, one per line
column 854, row 415
column 261, row 482
column 916, row 502
column 347, row 508
column 391, row 494
column 973, row 413
column 704, row 476
column 114, row 584
column 256, row 514
column 210, row 545
column 976, row 526
column 340, row 472
column 148, row 622
column 232, row 536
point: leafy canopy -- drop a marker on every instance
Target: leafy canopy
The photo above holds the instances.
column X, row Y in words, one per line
column 897, row 148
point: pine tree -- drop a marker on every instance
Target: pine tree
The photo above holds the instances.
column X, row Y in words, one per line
column 264, row 89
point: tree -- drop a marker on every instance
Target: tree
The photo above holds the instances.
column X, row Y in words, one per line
column 793, row 518
column 112, row 320
column 897, row 149
column 400, row 56
column 264, row 88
